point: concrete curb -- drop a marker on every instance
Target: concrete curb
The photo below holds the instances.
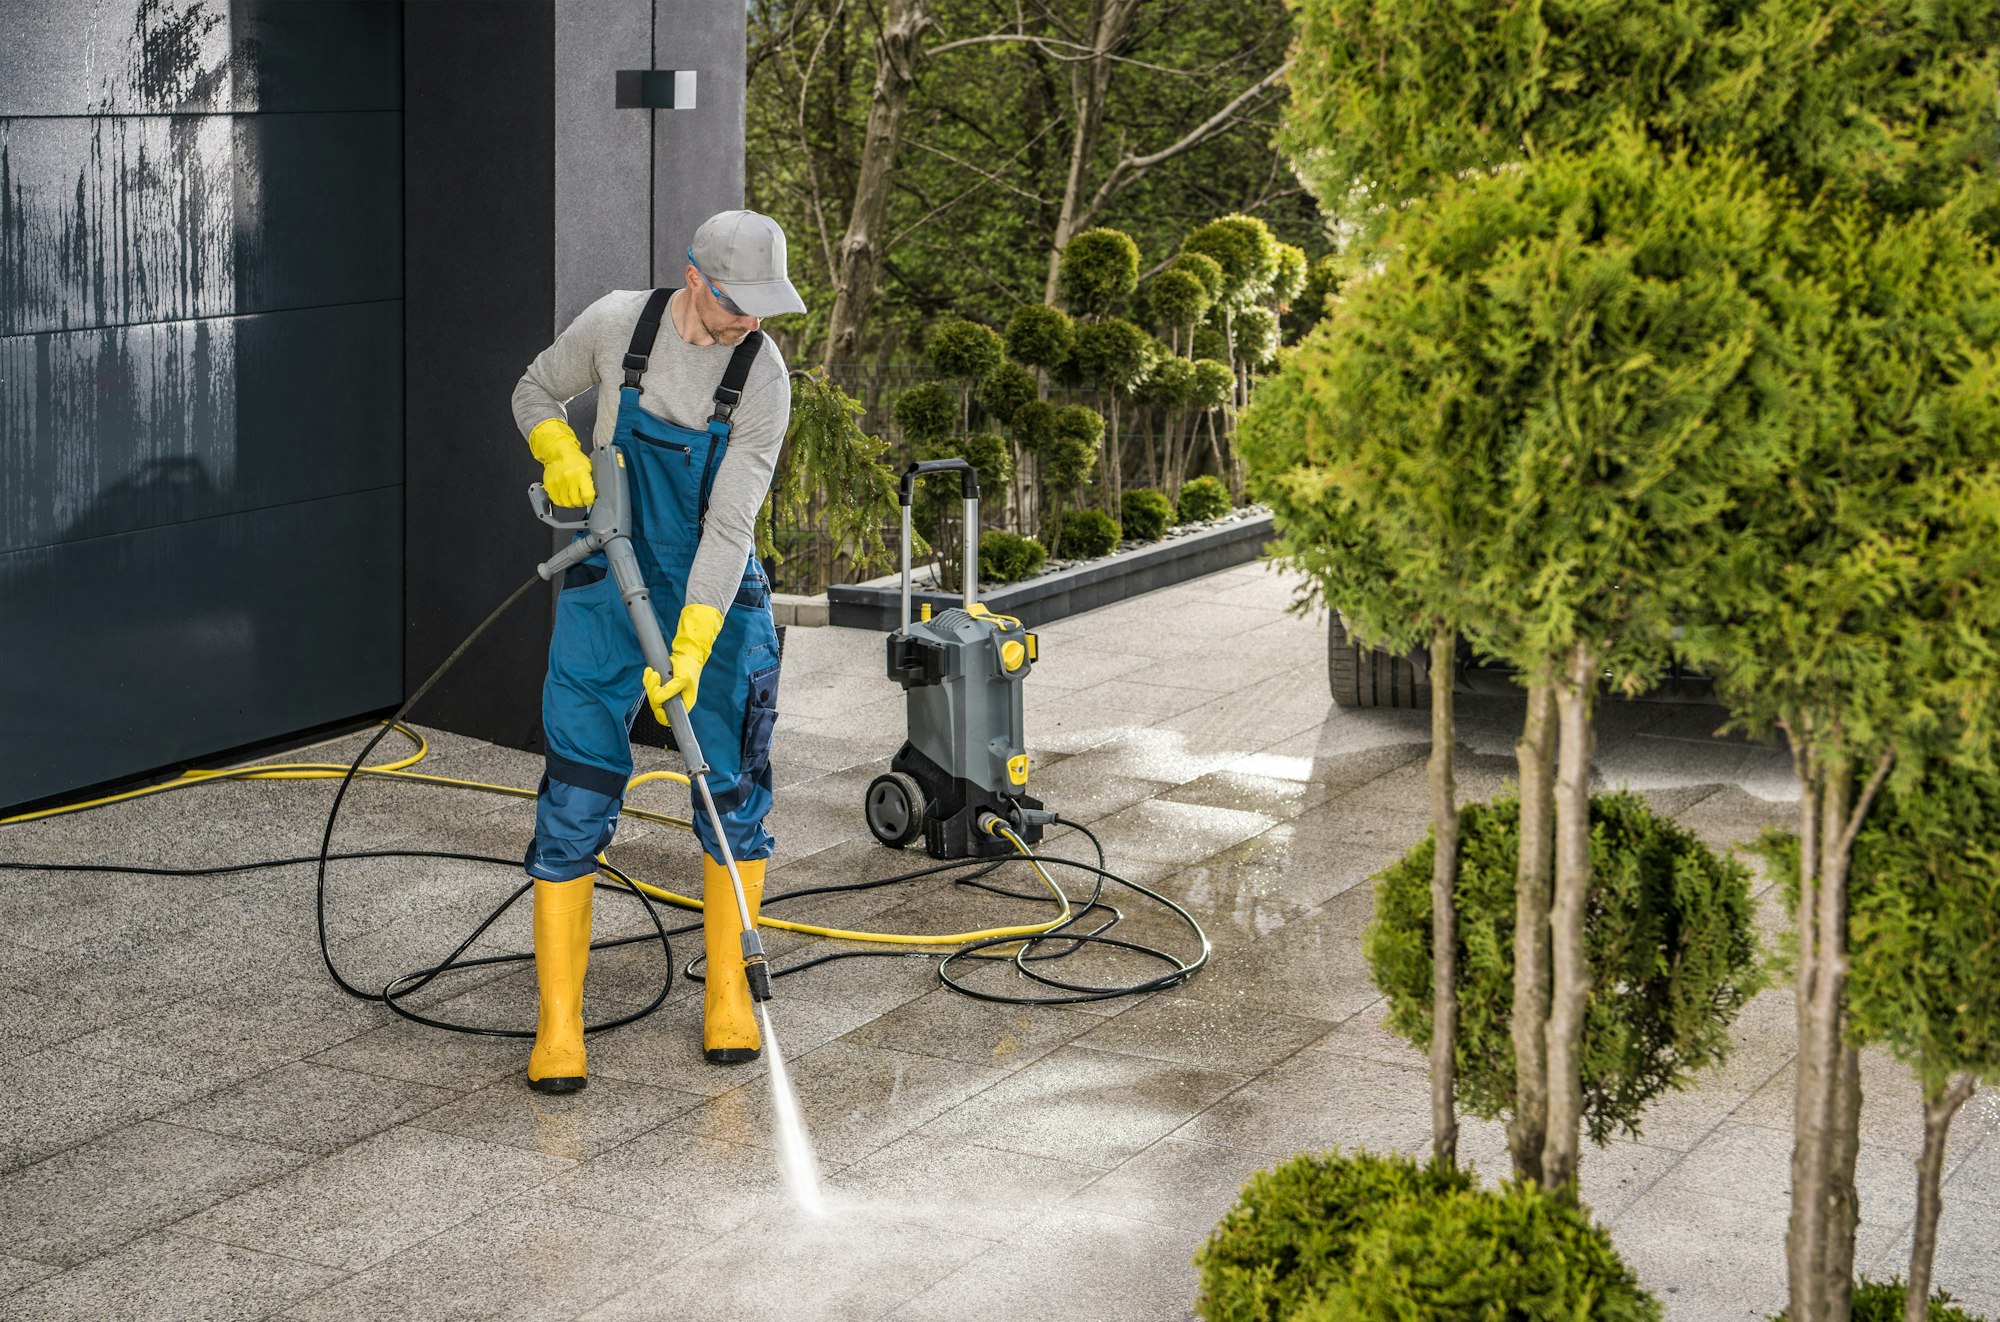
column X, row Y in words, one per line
column 874, row 605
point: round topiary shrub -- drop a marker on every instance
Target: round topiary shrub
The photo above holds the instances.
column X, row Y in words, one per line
column 1176, row 298
column 1515, row 1252
column 1214, row 383
column 1112, row 353
column 927, row 412
column 1033, row 423
column 1006, row 388
column 1882, row 1301
column 1144, row 513
column 1099, row 268
column 1672, row 954
column 1243, row 247
column 1040, row 336
column 1256, row 332
column 1211, row 345
column 963, row 350
column 1203, row 268
column 1086, row 534
column 1006, row 558
column 1293, row 1229
column 1202, row 498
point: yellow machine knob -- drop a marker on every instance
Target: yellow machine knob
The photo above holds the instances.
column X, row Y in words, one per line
column 1017, row 767
column 1012, row 654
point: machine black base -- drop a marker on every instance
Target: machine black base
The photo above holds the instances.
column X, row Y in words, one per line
column 731, row 1055
column 952, row 808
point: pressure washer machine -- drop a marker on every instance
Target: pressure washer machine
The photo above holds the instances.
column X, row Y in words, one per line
column 961, row 672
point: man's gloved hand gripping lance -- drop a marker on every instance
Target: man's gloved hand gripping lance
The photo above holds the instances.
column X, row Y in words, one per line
column 607, row 527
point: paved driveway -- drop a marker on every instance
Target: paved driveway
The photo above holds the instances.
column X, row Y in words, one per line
column 196, row 1124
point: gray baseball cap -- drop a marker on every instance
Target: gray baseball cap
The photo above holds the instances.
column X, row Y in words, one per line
column 744, row 252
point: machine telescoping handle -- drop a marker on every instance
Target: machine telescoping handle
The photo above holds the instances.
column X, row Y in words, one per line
column 609, row 529
column 968, row 489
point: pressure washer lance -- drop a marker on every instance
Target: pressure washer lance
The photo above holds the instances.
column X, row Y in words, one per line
column 607, row 527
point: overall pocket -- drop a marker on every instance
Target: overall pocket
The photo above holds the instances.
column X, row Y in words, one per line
column 760, row 718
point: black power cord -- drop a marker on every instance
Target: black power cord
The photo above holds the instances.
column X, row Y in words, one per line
column 1030, row 950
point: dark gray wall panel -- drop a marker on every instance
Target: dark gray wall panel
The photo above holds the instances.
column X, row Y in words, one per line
column 113, row 430
column 480, row 223
column 154, row 647
column 697, row 154
column 134, row 57
column 110, row 221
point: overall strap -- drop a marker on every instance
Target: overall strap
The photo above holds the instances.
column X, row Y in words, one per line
column 730, row 393
column 643, row 336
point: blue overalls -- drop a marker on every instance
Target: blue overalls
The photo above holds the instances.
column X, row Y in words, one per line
column 594, row 689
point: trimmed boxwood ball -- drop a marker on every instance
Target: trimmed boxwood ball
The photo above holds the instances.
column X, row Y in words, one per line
column 1202, row 498
column 1203, row 268
column 1144, row 513
column 1516, row 1252
column 1176, row 298
column 1099, row 269
column 1293, row 1229
column 1040, row 336
column 1086, row 534
column 1112, row 353
column 1006, row 558
column 1210, row 345
column 1671, row 947
column 1032, row 425
column 1882, row 1301
column 927, row 412
column 963, row 350
column 1006, row 388
column 1256, row 331
column 1214, row 383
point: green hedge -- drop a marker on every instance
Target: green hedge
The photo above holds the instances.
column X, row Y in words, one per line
column 1144, row 513
column 1086, row 534
column 1672, row 950
column 1203, row 498
column 1332, row 1237
column 1006, row 558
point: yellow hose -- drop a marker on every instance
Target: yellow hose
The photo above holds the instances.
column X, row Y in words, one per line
column 399, row 770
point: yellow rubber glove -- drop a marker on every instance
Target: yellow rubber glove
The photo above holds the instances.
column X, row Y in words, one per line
column 565, row 467
column 693, row 641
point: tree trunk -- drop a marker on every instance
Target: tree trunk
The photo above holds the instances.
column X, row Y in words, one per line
column 1801, row 1261
column 1939, row 1108
column 1825, row 1208
column 1535, row 760
column 1819, row 1053
column 898, row 51
column 1843, row 1199
column 1444, row 907
column 1090, row 87
column 1569, row 966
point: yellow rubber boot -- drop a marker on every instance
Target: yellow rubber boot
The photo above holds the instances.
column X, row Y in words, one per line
column 729, row 1033
column 562, row 951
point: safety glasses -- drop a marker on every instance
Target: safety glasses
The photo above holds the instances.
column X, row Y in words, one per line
column 728, row 304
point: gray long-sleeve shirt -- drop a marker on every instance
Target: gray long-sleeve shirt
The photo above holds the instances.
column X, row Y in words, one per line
column 679, row 385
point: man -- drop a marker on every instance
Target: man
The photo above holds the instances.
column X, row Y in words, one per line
column 696, row 402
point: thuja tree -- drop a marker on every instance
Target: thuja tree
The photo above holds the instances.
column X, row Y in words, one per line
column 1882, row 103
column 1575, row 355
column 1924, row 977
column 1852, row 611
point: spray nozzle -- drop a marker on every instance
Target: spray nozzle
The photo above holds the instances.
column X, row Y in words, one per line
column 755, row 970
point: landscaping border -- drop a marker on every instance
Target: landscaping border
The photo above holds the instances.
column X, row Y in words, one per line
column 1047, row 597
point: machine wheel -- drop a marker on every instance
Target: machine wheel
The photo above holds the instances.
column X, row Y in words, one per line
column 895, row 809
column 1368, row 676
